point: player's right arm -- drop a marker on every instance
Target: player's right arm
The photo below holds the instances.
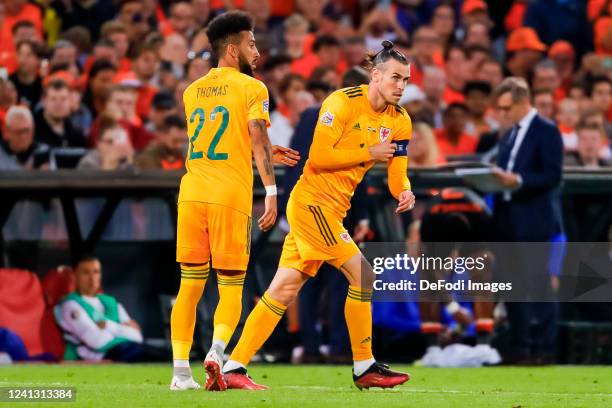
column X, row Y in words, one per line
column 259, row 119
column 334, row 118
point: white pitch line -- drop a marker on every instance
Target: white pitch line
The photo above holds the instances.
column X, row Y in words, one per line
column 436, row 391
column 394, row 390
column 31, row 384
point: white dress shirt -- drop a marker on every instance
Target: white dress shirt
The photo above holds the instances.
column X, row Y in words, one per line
column 518, row 140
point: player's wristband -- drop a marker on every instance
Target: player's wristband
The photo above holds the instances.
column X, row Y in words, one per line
column 271, row 190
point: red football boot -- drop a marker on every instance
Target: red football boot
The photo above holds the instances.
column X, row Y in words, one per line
column 214, row 375
column 379, row 375
column 239, row 380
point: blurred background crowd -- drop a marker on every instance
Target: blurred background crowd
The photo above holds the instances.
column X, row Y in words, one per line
column 108, row 75
column 97, row 84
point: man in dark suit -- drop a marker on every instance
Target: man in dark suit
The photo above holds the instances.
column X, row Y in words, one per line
column 529, row 165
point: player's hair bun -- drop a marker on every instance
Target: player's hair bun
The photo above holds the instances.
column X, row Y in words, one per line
column 387, row 45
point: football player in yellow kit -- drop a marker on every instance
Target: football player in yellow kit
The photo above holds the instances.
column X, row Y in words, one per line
column 227, row 116
column 357, row 127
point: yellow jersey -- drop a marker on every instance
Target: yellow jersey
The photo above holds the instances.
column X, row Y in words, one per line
column 339, row 156
column 218, row 107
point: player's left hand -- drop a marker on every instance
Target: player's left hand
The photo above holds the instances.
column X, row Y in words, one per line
column 267, row 220
column 406, row 201
column 285, row 155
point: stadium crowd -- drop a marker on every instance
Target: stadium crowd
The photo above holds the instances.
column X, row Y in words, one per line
column 98, row 84
column 108, row 76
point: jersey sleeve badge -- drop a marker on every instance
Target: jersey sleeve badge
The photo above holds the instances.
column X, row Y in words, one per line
column 327, row 119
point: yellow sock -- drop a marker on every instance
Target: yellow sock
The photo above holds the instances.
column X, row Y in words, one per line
column 259, row 326
column 182, row 320
column 358, row 315
column 229, row 308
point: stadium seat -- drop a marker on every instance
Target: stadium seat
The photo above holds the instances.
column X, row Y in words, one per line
column 56, row 284
column 22, row 306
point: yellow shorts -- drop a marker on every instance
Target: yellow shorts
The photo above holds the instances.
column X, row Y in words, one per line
column 206, row 231
column 316, row 235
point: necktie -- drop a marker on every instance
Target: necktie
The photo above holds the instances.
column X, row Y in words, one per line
column 513, row 134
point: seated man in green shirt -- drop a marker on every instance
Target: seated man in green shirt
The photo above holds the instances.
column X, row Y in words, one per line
column 96, row 326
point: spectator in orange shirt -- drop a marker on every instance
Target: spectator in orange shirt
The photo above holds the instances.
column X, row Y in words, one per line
column 117, row 34
column 491, row 70
column 14, row 12
column 434, row 84
column 477, row 33
column 275, row 69
column 162, row 106
column 423, row 151
column 102, row 50
column 326, row 74
column 544, row 101
column 425, row 42
column 478, row 102
column 281, row 8
column 600, row 92
column 326, row 52
column 312, row 10
column 296, row 36
column 452, row 139
column 65, row 53
column 121, row 106
column 288, row 87
column 121, row 103
column 474, row 11
column 181, row 20
column 8, row 97
column 99, row 83
column 443, row 23
column 524, row 51
column 457, row 72
column 476, row 55
column 562, row 53
column 545, row 76
column 22, row 30
column 167, row 152
column 354, row 50
column 145, row 62
column 568, row 117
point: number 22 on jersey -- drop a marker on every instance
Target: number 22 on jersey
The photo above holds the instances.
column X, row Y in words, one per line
column 199, row 115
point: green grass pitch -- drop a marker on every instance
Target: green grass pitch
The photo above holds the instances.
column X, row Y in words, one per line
column 130, row 386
